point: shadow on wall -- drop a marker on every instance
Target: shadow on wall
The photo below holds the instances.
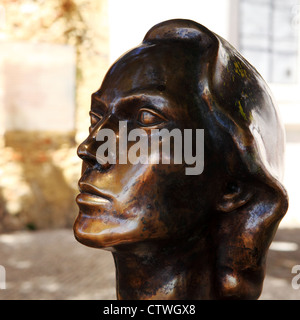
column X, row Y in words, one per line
column 39, row 181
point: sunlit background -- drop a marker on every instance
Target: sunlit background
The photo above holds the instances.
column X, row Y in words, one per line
column 53, row 55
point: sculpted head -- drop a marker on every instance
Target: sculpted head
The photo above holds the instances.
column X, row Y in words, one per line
column 183, row 76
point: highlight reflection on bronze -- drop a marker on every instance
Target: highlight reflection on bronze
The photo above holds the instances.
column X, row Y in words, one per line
column 172, row 235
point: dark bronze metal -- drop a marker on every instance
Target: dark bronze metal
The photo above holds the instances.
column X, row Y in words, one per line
column 172, row 235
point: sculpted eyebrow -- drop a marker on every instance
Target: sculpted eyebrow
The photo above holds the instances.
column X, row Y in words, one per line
column 152, row 87
column 143, row 101
column 97, row 103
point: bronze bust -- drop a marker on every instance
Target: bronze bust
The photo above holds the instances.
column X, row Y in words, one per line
column 175, row 235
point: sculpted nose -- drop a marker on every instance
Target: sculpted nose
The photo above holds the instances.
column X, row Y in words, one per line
column 87, row 150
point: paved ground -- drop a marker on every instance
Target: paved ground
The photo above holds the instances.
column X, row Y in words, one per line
column 52, row 265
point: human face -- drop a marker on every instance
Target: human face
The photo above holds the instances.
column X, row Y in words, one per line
column 130, row 203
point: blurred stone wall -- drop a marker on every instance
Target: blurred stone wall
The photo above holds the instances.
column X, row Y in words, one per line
column 39, row 169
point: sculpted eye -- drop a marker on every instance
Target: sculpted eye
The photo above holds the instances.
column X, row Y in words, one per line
column 95, row 118
column 149, row 118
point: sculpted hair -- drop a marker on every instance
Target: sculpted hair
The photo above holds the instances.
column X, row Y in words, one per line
column 243, row 122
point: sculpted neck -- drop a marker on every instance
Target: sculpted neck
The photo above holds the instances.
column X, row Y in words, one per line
column 162, row 272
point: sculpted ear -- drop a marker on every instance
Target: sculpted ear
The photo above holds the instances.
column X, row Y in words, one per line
column 242, row 238
column 234, row 196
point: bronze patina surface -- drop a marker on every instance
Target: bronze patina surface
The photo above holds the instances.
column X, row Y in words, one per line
column 173, row 235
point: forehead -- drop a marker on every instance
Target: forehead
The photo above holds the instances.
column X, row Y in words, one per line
column 146, row 68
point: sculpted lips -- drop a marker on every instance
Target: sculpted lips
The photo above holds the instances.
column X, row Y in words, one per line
column 91, row 195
